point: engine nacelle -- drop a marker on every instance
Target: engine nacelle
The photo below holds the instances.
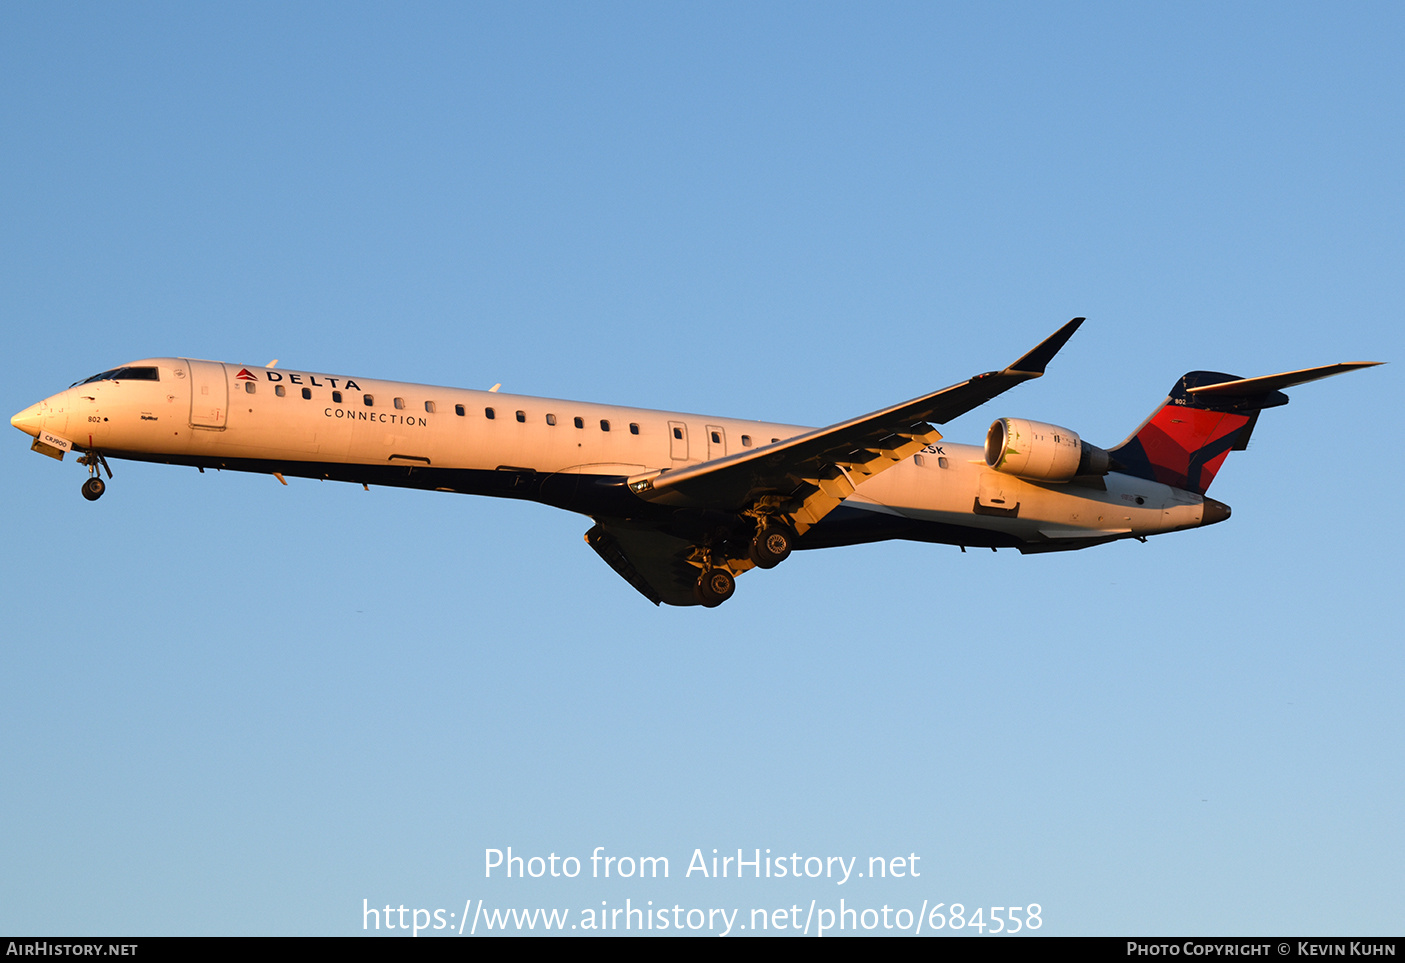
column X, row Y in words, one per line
column 1040, row 452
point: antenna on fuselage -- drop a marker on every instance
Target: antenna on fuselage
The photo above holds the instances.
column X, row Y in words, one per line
column 496, row 386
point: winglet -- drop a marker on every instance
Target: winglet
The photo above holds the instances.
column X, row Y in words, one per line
column 1032, row 364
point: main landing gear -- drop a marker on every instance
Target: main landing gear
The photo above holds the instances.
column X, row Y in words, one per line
column 714, row 587
column 772, row 545
column 94, row 486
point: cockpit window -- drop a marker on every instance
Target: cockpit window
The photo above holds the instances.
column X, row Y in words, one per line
column 130, row 373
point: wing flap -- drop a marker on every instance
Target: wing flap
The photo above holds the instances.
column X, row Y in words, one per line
column 654, row 562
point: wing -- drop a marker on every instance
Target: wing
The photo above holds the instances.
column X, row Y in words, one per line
column 654, row 562
column 718, row 515
column 806, row 477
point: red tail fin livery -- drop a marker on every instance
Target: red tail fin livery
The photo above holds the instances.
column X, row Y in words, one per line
column 1207, row 415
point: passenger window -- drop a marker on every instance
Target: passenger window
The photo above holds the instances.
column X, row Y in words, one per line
column 400, row 404
column 941, row 460
column 918, row 460
column 429, row 407
column 746, row 441
column 458, row 410
column 550, row 419
column 249, row 387
column 774, row 440
column 633, row 428
column 489, row 413
column 522, row 417
column 580, row 422
column 307, row 395
column 370, row 401
column 279, row 390
column 604, row 425
column 336, row 397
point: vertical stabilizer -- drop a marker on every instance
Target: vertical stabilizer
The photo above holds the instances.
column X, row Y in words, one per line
column 1185, row 441
column 1208, row 415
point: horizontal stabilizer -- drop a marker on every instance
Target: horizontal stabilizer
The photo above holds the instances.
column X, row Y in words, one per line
column 1248, row 387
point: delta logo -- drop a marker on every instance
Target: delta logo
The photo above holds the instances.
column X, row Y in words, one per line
column 295, row 377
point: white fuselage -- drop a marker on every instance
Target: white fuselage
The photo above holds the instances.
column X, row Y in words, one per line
column 252, row 418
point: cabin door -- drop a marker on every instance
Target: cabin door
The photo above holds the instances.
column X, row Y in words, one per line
column 678, row 441
column 209, row 394
column 716, row 442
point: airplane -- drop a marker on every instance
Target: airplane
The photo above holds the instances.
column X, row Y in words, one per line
column 682, row 504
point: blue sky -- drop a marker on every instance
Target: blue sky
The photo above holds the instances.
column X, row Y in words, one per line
column 234, row 707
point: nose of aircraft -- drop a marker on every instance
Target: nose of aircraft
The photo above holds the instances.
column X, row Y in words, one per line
column 30, row 420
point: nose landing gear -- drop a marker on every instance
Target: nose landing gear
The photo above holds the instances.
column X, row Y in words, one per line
column 94, row 486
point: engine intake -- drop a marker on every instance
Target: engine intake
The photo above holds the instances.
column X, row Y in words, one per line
column 1040, row 452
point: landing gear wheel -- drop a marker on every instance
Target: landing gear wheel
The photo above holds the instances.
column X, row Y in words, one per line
column 715, row 587
column 772, row 546
column 93, row 489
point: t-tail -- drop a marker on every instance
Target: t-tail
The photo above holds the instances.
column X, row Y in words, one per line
column 1208, row 415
